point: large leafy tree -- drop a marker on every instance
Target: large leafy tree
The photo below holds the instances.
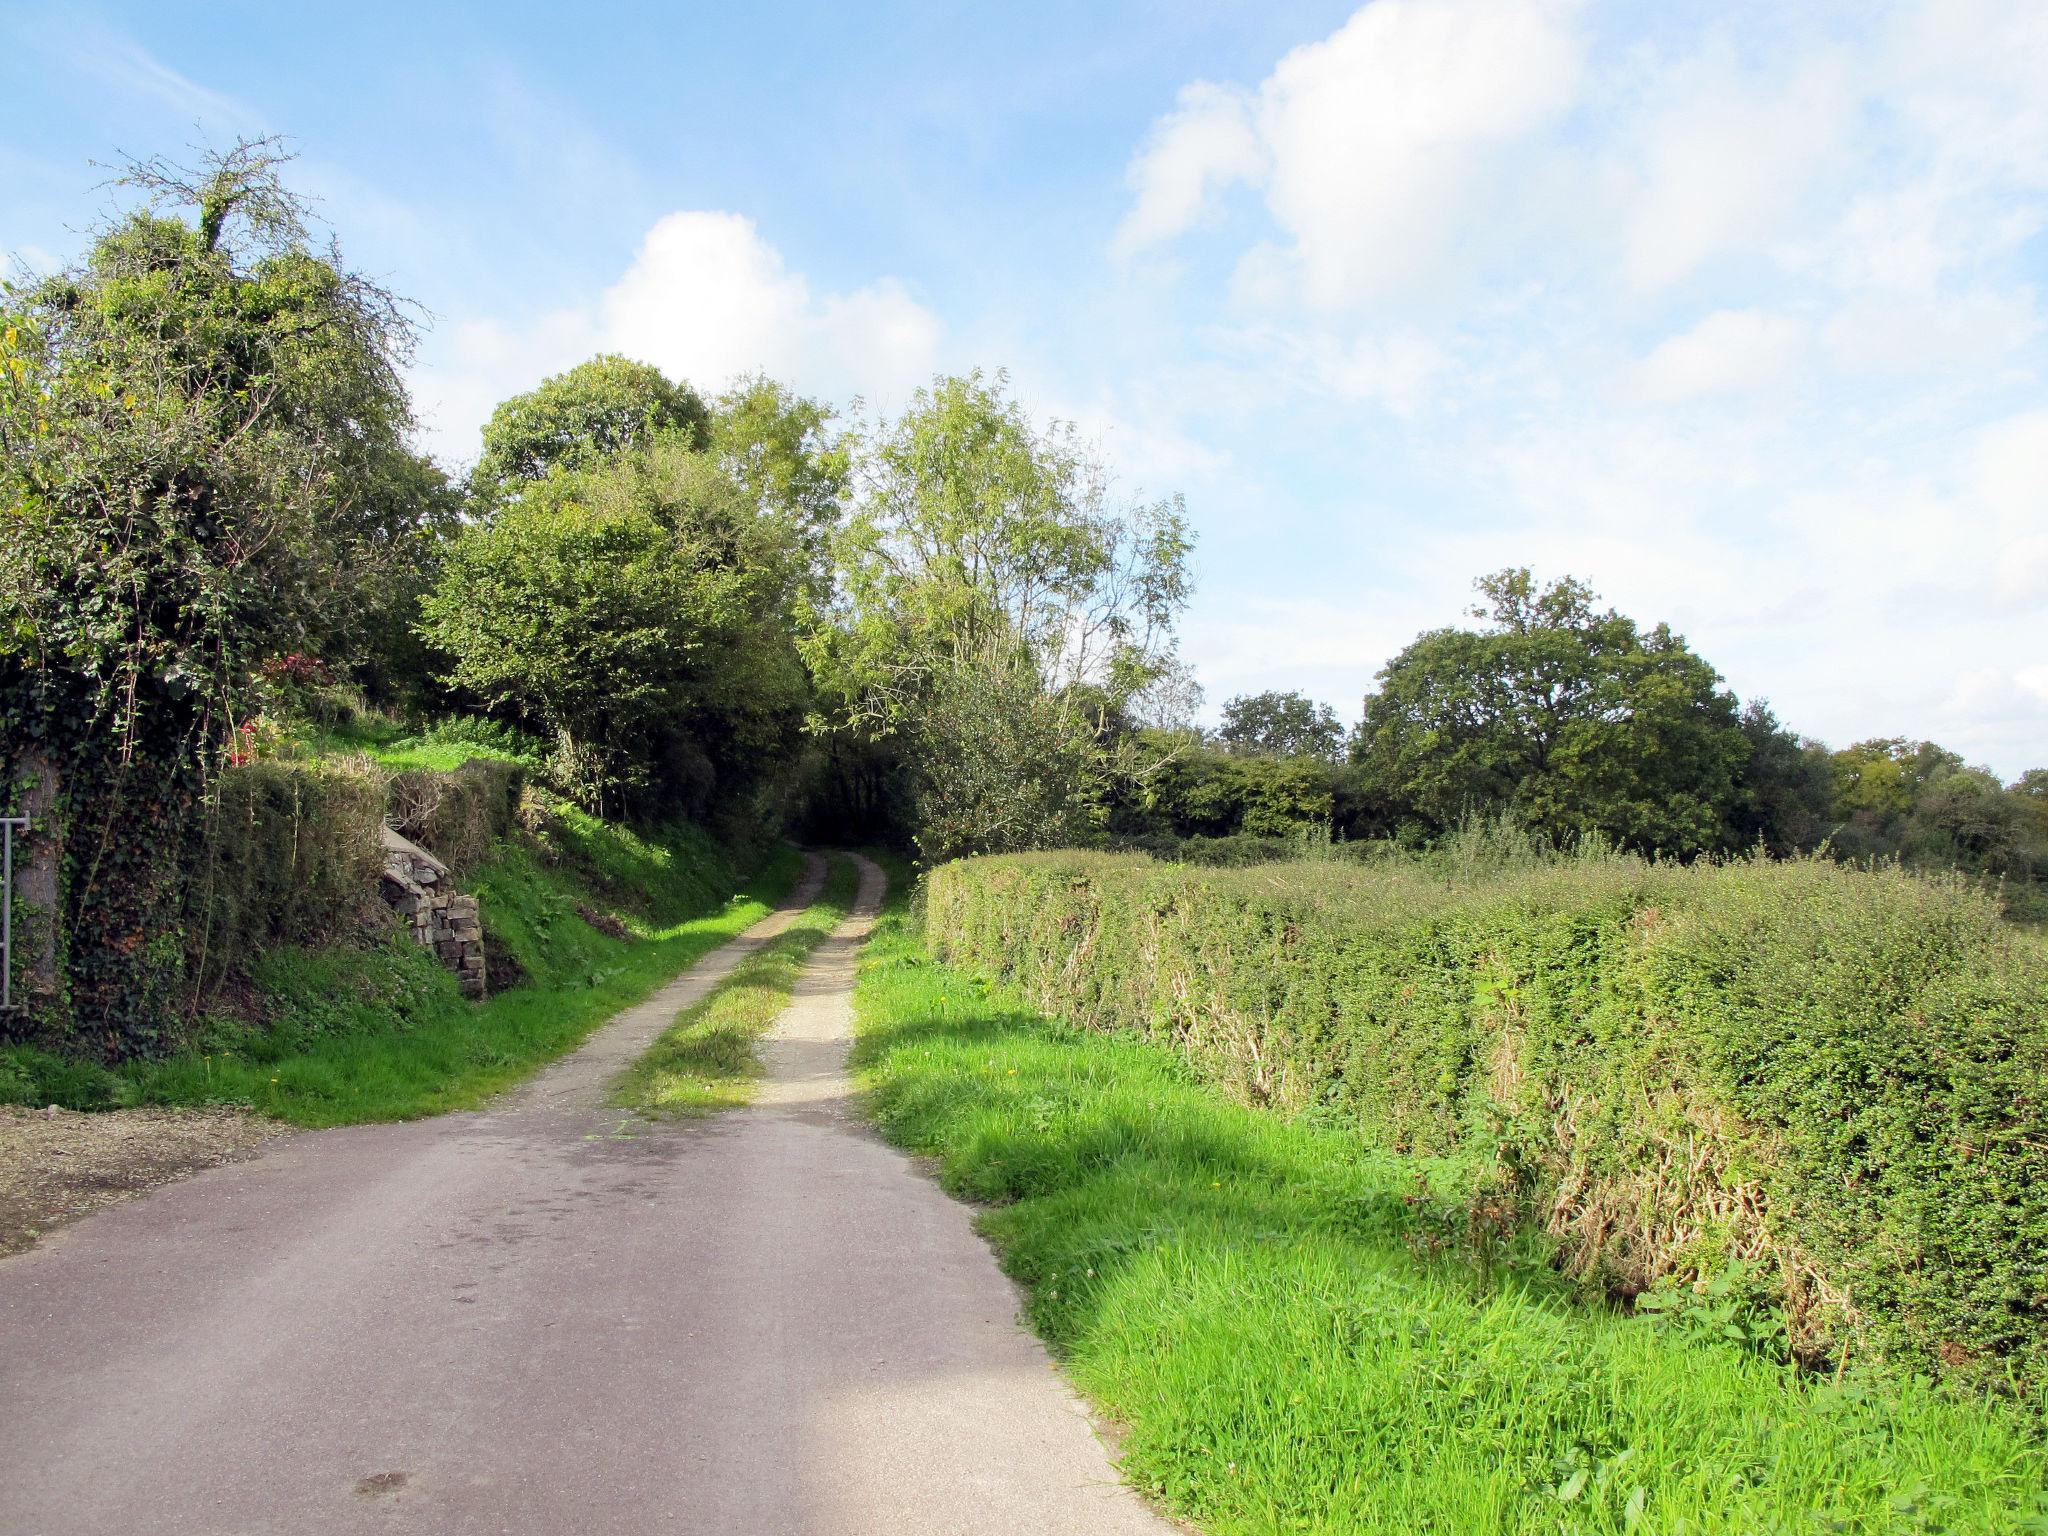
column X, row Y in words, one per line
column 997, row 606
column 579, row 418
column 1561, row 713
column 638, row 610
column 199, row 433
column 783, row 450
column 1275, row 724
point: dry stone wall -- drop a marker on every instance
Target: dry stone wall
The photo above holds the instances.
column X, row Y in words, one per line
column 415, row 884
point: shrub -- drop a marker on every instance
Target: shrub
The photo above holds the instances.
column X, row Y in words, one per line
column 290, row 854
column 1671, row 1069
column 456, row 815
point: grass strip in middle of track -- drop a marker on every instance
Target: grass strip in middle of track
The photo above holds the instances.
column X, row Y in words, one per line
column 706, row 1060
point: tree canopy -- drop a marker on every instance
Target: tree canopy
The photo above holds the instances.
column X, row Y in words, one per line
column 638, row 611
column 992, row 591
column 1562, row 714
column 202, row 450
column 580, row 417
column 1275, row 724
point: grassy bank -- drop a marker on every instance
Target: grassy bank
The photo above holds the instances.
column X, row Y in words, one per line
column 706, row 1060
column 1300, row 1333
column 595, row 915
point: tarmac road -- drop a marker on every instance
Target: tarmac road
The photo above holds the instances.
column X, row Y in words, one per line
column 552, row 1317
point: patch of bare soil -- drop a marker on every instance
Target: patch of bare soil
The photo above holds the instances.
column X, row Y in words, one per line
column 57, row 1165
column 605, row 923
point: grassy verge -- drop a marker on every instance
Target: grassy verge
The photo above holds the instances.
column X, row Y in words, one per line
column 353, row 1034
column 1294, row 1341
column 706, row 1060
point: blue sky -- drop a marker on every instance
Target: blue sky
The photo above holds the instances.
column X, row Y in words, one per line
column 1733, row 310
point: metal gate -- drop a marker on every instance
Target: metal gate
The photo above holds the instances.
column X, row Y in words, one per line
column 9, row 825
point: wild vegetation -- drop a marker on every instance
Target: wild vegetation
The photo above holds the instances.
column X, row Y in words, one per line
column 1301, row 1329
column 1664, row 1146
column 1784, row 1071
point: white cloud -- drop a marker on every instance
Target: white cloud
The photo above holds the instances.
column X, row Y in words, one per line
column 1731, row 351
column 705, row 299
column 2011, row 484
column 1901, row 334
column 1205, row 144
column 1726, row 166
column 1371, row 143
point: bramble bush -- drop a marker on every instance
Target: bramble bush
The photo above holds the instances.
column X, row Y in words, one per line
column 1836, row 1077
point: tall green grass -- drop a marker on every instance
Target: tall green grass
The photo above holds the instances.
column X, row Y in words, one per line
column 707, row 1059
column 1296, row 1339
column 355, row 1034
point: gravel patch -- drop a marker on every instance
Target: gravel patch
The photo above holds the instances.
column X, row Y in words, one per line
column 57, row 1165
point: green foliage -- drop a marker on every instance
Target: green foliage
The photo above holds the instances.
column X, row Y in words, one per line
column 639, row 612
column 986, row 571
column 576, row 420
column 706, row 1060
column 779, row 447
column 1185, row 790
column 1272, row 1313
column 1001, row 763
column 1667, row 1067
column 1276, row 724
column 289, row 855
column 197, row 428
column 351, row 1033
column 1786, row 790
column 1919, row 803
column 1571, row 719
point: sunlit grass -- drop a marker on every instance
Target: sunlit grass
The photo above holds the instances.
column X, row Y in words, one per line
column 383, row 1033
column 707, row 1059
column 1253, row 1298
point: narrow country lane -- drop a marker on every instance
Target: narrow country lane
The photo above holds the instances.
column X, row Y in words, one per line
column 551, row 1317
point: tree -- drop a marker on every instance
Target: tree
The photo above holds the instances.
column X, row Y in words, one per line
column 780, row 447
column 1786, row 789
column 1565, row 716
column 986, row 567
column 194, row 428
column 1275, row 724
column 575, row 419
column 638, row 610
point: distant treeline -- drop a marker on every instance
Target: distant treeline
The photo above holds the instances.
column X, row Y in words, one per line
column 1573, row 723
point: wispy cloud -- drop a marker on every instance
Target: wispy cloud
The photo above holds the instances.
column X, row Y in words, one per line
column 119, row 63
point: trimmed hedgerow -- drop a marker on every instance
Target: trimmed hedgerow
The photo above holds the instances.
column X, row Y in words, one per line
column 290, row 854
column 1831, row 1077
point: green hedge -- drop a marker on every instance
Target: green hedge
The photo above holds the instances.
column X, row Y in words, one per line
column 1839, row 1076
column 290, row 855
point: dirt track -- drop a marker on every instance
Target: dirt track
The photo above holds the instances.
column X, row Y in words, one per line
column 550, row 1317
